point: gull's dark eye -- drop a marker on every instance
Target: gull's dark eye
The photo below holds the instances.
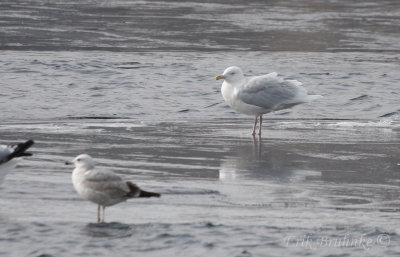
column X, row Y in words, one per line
column 232, row 73
column 78, row 160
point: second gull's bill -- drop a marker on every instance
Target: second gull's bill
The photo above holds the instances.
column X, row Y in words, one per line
column 261, row 94
column 102, row 187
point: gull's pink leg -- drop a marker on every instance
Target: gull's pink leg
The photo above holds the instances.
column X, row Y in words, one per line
column 255, row 125
column 104, row 213
column 259, row 129
column 98, row 213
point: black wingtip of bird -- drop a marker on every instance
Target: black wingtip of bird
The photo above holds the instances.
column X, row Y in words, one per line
column 135, row 191
column 20, row 149
column 148, row 194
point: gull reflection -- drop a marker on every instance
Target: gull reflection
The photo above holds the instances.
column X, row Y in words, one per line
column 258, row 160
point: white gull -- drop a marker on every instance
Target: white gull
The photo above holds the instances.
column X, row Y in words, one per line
column 261, row 94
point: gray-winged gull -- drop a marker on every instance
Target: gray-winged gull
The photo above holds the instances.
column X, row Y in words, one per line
column 102, row 187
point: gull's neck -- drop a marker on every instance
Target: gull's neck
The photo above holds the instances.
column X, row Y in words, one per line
column 84, row 168
column 239, row 83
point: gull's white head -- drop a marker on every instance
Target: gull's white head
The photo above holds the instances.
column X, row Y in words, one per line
column 82, row 161
column 232, row 74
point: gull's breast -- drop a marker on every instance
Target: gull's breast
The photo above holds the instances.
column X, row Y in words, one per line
column 230, row 95
column 248, row 109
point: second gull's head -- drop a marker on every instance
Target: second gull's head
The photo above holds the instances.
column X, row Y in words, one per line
column 82, row 161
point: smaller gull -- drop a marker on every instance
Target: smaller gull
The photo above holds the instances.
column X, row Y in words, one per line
column 102, row 187
column 9, row 154
column 261, row 94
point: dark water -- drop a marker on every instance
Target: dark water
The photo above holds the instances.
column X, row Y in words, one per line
column 133, row 84
column 125, row 25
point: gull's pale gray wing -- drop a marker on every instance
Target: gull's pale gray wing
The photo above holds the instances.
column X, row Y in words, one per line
column 272, row 93
column 107, row 183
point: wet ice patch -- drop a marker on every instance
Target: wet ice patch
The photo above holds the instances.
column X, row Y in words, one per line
column 349, row 156
column 190, row 191
column 382, row 123
column 57, row 128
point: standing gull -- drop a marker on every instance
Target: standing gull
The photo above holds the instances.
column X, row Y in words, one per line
column 102, row 187
column 261, row 94
column 9, row 154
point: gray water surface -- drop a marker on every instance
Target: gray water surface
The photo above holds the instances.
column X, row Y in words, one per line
column 182, row 85
column 223, row 192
